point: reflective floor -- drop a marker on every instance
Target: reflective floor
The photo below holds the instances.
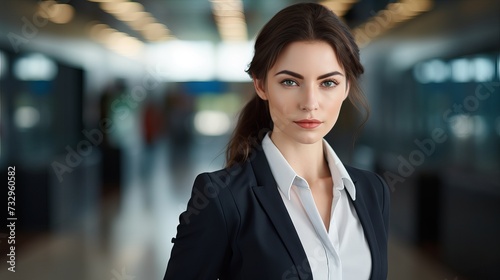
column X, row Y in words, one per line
column 128, row 236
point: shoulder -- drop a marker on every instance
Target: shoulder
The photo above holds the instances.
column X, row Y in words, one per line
column 368, row 183
column 364, row 175
column 226, row 179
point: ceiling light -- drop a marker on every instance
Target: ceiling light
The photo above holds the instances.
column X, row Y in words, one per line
column 230, row 19
column 154, row 31
column 100, row 32
column 133, row 14
column 417, row 6
column 57, row 13
column 127, row 45
column 141, row 22
column 110, row 7
column 129, row 7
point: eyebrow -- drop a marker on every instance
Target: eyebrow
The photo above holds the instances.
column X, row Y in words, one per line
column 297, row 75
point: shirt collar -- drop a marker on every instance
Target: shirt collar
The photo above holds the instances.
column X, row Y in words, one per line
column 283, row 173
column 336, row 165
column 285, row 176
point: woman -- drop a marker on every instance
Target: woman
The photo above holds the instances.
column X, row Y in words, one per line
column 285, row 207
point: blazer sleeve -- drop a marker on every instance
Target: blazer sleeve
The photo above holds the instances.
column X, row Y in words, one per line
column 201, row 245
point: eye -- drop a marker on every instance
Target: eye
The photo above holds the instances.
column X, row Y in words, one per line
column 329, row 83
column 289, row 83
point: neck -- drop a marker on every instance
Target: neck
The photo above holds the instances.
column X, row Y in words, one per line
column 307, row 160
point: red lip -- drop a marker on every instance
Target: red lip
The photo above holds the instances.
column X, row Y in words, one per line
column 308, row 123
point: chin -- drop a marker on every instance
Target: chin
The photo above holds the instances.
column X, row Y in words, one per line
column 309, row 138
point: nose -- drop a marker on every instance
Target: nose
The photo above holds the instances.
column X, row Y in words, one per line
column 309, row 100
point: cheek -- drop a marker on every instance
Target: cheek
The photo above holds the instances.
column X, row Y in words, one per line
column 280, row 110
column 280, row 103
column 333, row 107
column 277, row 110
column 334, row 96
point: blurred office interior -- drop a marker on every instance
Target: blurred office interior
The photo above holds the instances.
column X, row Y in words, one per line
column 109, row 108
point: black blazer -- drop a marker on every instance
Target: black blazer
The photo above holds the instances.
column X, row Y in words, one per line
column 236, row 226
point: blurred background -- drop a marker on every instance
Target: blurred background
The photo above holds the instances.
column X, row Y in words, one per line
column 109, row 108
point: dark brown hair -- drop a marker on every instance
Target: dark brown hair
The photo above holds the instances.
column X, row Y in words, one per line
column 299, row 22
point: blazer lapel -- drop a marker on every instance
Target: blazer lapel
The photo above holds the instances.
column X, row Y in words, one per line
column 364, row 218
column 268, row 195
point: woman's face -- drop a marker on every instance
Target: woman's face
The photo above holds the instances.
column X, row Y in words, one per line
column 305, row 89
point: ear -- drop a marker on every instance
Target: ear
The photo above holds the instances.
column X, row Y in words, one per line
column 260, row 88
column 347, row 88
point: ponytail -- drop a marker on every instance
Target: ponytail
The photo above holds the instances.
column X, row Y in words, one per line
column 253, row 124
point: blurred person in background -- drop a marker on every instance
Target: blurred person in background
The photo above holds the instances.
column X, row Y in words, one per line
column 285, row 207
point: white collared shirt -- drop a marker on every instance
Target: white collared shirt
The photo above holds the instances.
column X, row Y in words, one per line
column 340, row 253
